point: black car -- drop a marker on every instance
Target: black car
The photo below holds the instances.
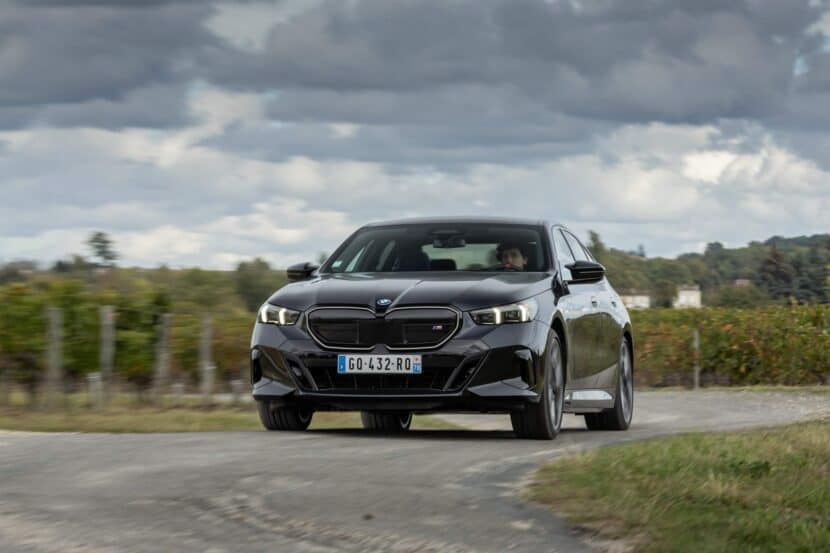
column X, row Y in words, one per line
column 447, row 314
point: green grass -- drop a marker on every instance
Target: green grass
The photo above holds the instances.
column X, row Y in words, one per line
column 752, row 491
column 190, row 418
column 126, row 414
column 812, row 389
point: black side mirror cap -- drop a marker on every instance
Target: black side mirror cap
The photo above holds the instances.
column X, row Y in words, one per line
column 301, row 271
column 584, row 272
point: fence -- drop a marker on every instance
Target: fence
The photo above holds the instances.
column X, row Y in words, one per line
column 116, row 343
column 55, row 348
column 787, row 345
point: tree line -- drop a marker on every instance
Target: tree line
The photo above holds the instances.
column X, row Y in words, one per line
column 778, row 270
column 786, row 271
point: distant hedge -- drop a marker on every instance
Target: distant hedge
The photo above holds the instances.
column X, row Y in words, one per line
column 769, row 345
column 138, row 311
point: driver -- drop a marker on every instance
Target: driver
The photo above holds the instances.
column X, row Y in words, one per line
column 512, row 255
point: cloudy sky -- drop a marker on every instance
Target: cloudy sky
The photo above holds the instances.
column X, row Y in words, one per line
column 201, row 133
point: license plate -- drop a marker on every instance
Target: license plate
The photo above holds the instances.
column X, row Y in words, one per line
column 378, row 364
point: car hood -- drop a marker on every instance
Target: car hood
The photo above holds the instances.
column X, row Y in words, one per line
column 462, row 290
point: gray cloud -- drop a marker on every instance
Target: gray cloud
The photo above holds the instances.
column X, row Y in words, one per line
column 622, row 61
column 94, row 64
column 668, row 123
column 158, row 106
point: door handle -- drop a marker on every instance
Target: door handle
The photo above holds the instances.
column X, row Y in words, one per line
column 594, row 302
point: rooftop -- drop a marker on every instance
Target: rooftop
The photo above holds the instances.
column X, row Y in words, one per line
column 461, row 220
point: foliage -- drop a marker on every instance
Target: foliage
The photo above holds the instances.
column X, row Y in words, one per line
column 16, row 271
column 22, row 335
column 775, row 344
column 746, row 296
column 140, row 297
column 769, row 345
column 256, row 281
column 780, row 268
column 80, row 323
column 102, row 248
column 664, row 293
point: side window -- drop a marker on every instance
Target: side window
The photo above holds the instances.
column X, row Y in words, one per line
column 563, row 252
column 350, row 268
column 385, row 260
column 576, row 248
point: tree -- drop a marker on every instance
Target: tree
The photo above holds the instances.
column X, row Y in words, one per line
column 776, row 275
column 810, row 276
column 321, row 257
column 747, row 296
column 102, row 248
column 255, row 282
column 596, row 246
column 665, row 291
column 77, row 265
column 16, row 271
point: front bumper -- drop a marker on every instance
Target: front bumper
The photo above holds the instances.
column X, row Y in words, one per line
column 481, row 369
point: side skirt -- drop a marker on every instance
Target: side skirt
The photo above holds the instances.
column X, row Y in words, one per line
column 587, row 401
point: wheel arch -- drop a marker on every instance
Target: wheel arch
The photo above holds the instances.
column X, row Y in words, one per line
column 628, row 336
column 558, row 326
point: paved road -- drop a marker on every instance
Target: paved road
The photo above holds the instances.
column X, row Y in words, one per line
column 321, row 491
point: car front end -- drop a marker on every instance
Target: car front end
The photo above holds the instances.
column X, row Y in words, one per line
column 389, row 356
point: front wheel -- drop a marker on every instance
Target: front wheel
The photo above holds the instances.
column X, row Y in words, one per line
column 283, row 418
column 619, row 416
column 543, row 421
column 389, row 423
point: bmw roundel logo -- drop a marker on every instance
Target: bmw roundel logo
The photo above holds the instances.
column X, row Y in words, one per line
column 383, row 302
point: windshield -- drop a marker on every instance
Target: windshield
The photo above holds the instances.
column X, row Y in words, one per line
column 442, row 247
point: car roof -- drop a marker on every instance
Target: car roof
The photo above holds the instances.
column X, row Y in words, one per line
column 460, row 220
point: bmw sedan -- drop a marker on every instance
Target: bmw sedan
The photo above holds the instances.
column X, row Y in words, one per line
column 477, row 315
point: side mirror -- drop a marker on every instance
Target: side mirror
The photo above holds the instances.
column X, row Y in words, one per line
column 301, row 271
column 585, row 272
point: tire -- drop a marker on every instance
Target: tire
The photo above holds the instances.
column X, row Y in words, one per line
column 619, row 416
column 283, row 418
column 386, row 423
column 543, row 421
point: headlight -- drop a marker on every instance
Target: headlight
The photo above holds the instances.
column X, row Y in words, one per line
column 276, row 315
column 521, row 312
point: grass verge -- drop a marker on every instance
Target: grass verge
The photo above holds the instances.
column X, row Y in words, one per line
column 187, row 414
column 810, row 389
column 759, row 490
column 173, row 419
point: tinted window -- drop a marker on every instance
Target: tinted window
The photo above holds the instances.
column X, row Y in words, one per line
column 563, row 251
column 442, row 247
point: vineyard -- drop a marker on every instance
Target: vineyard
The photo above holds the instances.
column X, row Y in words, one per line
column 785, row 344
column 788, row 344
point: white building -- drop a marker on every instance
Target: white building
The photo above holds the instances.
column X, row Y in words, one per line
column 688, row 297
column 634, row 299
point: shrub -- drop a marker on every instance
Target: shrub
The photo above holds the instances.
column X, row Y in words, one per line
column 769, row 345
column 787, row 344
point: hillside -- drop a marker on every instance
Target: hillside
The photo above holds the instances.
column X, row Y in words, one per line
column 777, row 270
column 774, row 270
